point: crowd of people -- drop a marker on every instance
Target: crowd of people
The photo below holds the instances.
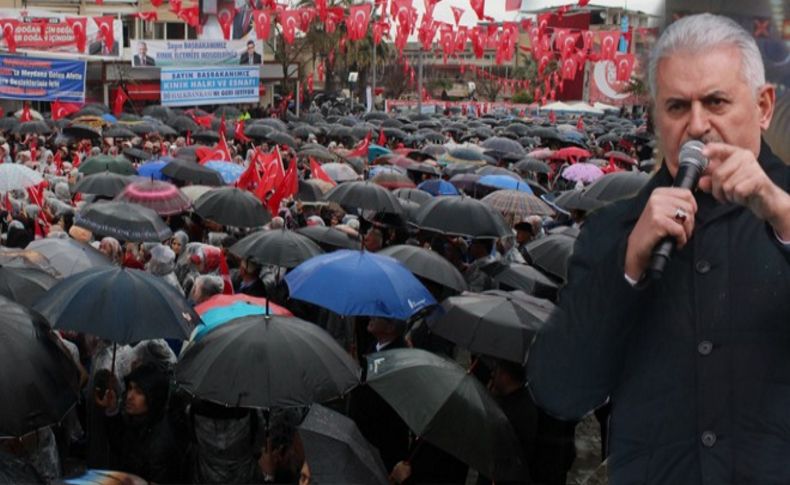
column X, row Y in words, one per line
column 133, row 417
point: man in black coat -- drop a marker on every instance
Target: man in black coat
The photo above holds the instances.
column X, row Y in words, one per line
column 697, row 364
column 250, row 282
column 250, row 56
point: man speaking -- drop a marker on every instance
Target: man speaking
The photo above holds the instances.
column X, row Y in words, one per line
column 696, row 363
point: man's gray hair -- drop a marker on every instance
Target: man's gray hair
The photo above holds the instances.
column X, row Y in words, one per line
column 702, row 32
column 209, row 285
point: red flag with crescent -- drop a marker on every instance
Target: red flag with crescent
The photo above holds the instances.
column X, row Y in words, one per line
column 625, row 66
column 479, row 7
column 609, row 41
column 79, row 28
column 106, row 33
column 457, row 14
column 61, row 110
column 289, row 20
column 9, row 33
column 263, row 23
column 225, row 17
column 357, row 21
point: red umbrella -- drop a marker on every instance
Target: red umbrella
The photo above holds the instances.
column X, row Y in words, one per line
column 619, row 157
column 541, row 153
column 220, row 301
column 571, row 154
column 162, row 197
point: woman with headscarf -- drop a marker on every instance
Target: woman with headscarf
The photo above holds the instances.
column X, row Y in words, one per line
column 162, row 264
column 179, row 242
column 112, row 248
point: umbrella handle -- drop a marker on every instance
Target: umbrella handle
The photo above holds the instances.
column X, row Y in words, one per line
column 418, row 443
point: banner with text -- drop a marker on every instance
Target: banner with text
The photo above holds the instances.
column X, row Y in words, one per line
column 209, row 85
column 40, row 30
column 187, row 53
column 38, row 79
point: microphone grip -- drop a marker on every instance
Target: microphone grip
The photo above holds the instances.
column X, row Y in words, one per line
column 661, row 256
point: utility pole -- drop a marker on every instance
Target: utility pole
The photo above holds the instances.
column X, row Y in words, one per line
column 373, row 81
column 419, row 81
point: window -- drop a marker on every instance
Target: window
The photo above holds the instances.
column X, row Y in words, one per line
column 191, row 32
column 154, row 30
column 176, row 30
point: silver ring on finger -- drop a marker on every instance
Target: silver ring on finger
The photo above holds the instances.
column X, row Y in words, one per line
column 681, row 215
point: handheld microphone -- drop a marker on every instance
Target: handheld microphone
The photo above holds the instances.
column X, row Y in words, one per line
column 691, row 165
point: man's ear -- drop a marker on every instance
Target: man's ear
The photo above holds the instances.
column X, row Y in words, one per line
column 766, row 101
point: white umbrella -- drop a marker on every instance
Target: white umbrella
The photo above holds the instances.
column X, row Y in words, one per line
column 195, row 191
column 14, row 176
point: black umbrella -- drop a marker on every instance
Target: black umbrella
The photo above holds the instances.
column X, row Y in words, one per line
column 277, row 247
column 329, row 237
column 118, row 304
column 523, row 277
column 503, row 145
column 427, row 264
column 231, row 206
column 80, row 131
column 447, row 407
column 68, row 256
column 24, row 285
column 189, row 153
column 137, row 154
column 257, row 132
column 309, row 192
column 364, row 195
column 532, row 165
column 414, row 195
column 272, row 123
column 14, row 469
column 460, row 168
column 206, row 136
column 106, row 184
column 35, row 127
column 281, row 138
column 159, row 112
column 552, row 254
column 336, row 451
column 267, row 361
column 576, row 200
column 187, row 171
column 118, row 131
column 142, row 128
column 228, row 111
column 182, row 124
column 39, row 378
column 462, row 216
column 123, row 221
column 164, row 130
column 102, row 163
column 616, row 186
column 498, row 324
column 8, row 123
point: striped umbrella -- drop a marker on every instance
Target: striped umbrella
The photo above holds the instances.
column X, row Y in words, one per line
column 516, row 205
column 162, row 197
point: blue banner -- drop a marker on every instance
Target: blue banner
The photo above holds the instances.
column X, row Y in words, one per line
column 209, row 85
column 41, row 79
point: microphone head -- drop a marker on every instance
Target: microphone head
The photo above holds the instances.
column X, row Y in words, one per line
column 691, row 153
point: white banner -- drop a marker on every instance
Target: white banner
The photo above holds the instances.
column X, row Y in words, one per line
column 209, row 85
column 187, row 53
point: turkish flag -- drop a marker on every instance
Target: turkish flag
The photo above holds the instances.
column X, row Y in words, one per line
column 306, row 16
column 118, row 102
column 317, row 172
column 380, row 29
column 61, row 110
column 569, row 68
column 157, row 3
column 223, row 146
column 204, row 121
column 175, row 6
column 357, row 21
column 583, row 3
column 429, row 7
column 460, row 39
column 361, row 150
column 310, row 83
column 9, row 33
column 106, row 33
column 625, row 66
column 479, row 7
column 447, row 40
column 191, row 16
column 263, row 23
column 251, row 177
column 511, row 5
column 150, row 16
column 79, row 27
column 580, row 124
column 382, row 138
column 25, row 116
column 225, row 18
column 289, row 20
column 457, row 14
column 479, row 37
column 609, row 42
column 427, row 32
column 238, row 133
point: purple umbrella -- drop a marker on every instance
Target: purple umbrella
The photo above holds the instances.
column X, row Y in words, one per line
column 582, row 172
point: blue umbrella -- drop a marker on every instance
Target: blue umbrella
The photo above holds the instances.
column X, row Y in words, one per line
column 153, row 169
column 230, row 172
column 217, row 316
column 359, row 283
column 109, row 118
column 375, row 151
column 504, row 182
column 438, row 187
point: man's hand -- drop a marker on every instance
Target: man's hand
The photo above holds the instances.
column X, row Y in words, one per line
column 734, row 175
column 658, row 221
column 106, row 400
column 401, row 472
